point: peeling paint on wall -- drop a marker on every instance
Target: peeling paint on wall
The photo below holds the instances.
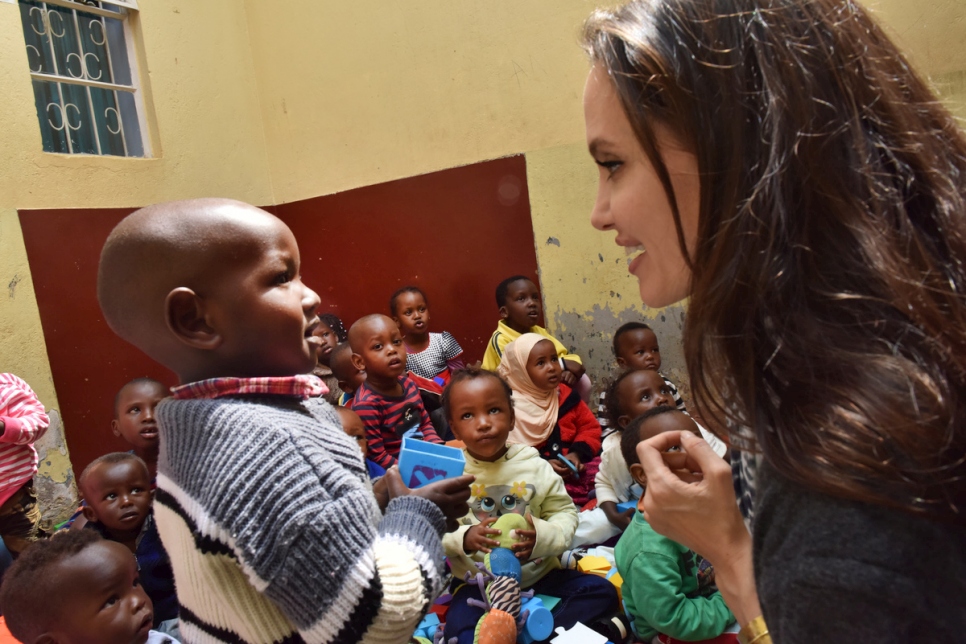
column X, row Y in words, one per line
column 590, row 335
column 56, row 489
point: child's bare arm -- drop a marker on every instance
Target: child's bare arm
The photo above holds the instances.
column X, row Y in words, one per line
column 617, row 518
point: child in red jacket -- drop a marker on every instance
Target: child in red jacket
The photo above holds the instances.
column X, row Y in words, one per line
column 550, row 415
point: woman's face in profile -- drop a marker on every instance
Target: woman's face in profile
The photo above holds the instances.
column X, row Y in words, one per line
column 631, row 199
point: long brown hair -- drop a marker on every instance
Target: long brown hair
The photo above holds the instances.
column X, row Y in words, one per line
column 827, row 307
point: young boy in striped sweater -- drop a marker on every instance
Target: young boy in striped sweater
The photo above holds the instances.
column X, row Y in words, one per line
column 263, row 502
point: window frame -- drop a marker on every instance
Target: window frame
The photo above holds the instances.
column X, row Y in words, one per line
column 129, row 12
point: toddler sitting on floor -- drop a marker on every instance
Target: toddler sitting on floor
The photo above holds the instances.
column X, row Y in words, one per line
column 512, row 478
column 388, row 402
column 434, row 356
column 78, row 588
column 667, row 589
column 550, row 415
column 117, row 493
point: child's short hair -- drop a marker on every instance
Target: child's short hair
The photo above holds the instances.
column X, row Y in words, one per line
column 406, row 289
column 612, row 404
column 29, row 596
column 335, row 360
column 631, row 435
column 504, row 286
column 107, row 459
column 333, row 322
column 136, row 381
column 624, row 328
column 472, row 373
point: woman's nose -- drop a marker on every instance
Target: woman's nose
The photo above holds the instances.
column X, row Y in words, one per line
column 600, row 217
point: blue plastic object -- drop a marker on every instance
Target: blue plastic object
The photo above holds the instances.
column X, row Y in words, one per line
column 539, row 624
column 421, row 463
column 568, row 463
column 627, row 505
column 427, row 627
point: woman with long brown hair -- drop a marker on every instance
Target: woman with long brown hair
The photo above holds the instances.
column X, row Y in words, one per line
column 781, row 164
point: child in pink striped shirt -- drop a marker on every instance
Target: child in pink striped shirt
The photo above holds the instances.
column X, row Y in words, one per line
column 22, row 421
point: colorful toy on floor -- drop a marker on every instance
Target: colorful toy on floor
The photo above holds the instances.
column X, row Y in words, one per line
column 538, row 624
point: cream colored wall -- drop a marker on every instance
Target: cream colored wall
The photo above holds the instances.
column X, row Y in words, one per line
column 211, row 143
column 354, row 93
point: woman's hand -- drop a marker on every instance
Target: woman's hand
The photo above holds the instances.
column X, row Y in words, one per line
column 690, row 499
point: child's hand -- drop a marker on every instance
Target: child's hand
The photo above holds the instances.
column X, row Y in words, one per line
column 381, row 490
column 527, row 539
column 568, row 378
column 561, row 470
column 617, row 519
column 449, row 495
column 477, row 537
column 575, row 459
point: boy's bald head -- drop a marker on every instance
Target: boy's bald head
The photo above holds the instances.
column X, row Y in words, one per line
column 161, row 264
column 161, row 247
column 364, row 326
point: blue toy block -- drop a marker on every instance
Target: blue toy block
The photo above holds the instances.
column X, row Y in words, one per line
column 549, row 602
column 627, row 505
column 539, row 624
column 421, row 463
column 427, row 627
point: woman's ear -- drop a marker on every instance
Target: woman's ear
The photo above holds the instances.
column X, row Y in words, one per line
column 637, row 473
column 186, row 316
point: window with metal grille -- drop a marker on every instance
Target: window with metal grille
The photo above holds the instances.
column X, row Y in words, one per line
column 84, row 74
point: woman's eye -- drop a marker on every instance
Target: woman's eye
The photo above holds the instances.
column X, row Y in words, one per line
column 610, row 166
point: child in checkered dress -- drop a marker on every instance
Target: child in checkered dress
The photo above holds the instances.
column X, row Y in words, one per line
column 434, row 356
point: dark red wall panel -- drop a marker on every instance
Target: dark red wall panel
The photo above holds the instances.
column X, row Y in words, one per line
column 455, row 233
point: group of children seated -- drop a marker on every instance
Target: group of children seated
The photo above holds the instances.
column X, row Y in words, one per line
column 279, row 525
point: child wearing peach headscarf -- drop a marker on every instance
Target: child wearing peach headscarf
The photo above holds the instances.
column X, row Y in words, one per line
column 550, row 416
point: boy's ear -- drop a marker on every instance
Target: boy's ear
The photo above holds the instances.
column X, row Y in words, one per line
column 89, row 514
column 357, row 362
column 343, row 385
column 116, row 428
column 186, row 317
column 637, row 473
column 503, row 312
column 621, row 362
column 46, row 638
column 623, row 421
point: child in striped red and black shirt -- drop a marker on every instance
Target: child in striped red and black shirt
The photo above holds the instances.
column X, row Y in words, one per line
column 388, row 402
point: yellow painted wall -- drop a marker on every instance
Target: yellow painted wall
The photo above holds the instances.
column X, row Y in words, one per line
column 355, row 93
column 272, row 101
column 207, row 117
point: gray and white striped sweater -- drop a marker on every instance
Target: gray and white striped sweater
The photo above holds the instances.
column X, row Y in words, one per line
column 266, row 510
